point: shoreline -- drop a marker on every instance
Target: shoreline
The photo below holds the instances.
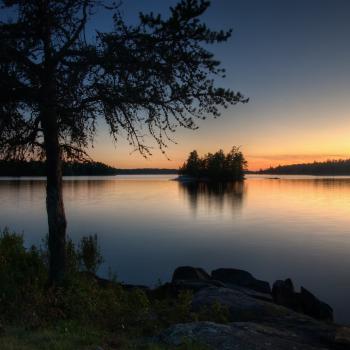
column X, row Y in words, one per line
column 248, row 312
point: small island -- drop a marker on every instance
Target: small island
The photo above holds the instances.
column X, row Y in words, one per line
column 217, row 167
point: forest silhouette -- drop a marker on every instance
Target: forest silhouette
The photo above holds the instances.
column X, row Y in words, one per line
column 329, row 167
column 215, row 167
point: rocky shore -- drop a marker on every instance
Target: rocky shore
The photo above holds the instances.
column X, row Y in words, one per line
column 260, row 317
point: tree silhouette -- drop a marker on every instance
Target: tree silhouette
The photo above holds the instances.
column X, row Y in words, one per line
column 218, row 166
column 329, row 167
column 143, row 79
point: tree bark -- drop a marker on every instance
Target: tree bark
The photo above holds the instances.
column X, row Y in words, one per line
column 55, row 211
column 54, row 194
column 54, row 202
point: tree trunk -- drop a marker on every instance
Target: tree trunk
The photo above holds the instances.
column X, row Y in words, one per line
column 55, row 213
column 54, row 204
column 54, row 194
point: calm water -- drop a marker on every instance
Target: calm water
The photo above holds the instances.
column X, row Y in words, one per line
column 296, row 227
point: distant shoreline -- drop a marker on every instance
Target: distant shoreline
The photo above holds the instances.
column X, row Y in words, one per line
column 127, row 172
column 335, row 167
column 295, row 174
column 33, row 168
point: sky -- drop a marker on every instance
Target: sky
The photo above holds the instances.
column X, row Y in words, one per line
column 291, row 58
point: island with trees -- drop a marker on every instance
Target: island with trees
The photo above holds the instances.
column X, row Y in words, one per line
column 216, row 166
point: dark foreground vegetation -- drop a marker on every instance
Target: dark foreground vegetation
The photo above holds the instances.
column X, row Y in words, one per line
column 85, row 311
column 227, row 309
column 217, row 167
column 38, row 168
column 329, row 167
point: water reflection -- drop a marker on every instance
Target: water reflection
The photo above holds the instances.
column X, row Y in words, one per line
column 294, row 227
column 213, row 196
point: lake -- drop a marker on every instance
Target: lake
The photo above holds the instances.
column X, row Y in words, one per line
column 293, row 226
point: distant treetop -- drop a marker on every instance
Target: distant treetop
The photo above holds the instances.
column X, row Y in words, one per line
column 218, row 166
column 329, row 167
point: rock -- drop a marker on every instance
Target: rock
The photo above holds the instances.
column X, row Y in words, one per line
column 314, row 307
column 195, row 331
column 238, row 336
column 241, row 306
column 241, row 278
column 283, row 294
column 184, row 273
column 243, row 294
column 174, row 288
column 250, row 292
column 195, row 285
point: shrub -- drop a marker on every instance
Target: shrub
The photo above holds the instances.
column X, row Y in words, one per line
column 174, row 310
column 23, row 275
column 216, row 312
column 90, row 253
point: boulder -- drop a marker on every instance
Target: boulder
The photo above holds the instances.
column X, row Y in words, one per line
column 241, row 278
column 174, row 288
column 185, row 273
column 238, row 336
column 314, row 307
column 250, row 292
column 241, row 306
column 243, row 287
column 284, row 294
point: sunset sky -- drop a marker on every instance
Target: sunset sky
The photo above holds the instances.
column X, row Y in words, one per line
column 291, row 58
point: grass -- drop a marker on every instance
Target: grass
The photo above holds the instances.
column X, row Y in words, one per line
column 77, row 338
column 58, row 338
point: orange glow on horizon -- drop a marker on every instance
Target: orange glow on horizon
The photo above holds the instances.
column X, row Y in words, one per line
column 266, row 139
column 255, row 162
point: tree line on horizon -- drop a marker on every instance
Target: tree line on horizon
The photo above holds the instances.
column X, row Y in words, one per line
column 38, row 168
column 18, row 168
column 329, row 167
column 216, row 166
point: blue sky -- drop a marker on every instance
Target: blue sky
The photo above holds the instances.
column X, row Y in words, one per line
column 292, row 58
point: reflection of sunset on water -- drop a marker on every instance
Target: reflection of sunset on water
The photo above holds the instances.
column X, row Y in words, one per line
column 276, row 228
